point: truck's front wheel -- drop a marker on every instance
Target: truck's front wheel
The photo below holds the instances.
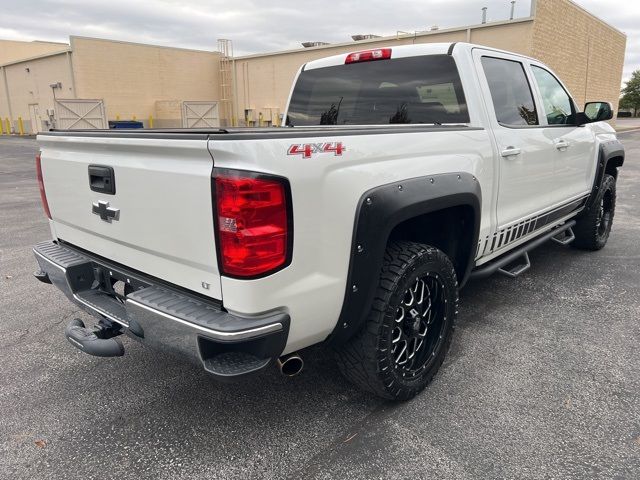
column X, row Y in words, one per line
column 594, row 225
column 409, row 327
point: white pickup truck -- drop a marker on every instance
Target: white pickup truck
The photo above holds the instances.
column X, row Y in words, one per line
column 402, row 173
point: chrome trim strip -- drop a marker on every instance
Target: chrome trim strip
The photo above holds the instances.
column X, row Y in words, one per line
column 216, row 334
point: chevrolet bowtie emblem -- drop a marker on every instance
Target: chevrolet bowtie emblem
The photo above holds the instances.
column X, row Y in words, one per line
column 105, row 212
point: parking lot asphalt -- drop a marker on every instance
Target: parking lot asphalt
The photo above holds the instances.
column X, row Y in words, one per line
column 542, row 380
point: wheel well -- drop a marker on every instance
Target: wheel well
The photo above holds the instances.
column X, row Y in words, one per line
column 452, row 230
column 612, row 166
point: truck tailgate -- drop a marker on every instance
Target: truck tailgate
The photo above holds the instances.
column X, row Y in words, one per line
column 164, row 226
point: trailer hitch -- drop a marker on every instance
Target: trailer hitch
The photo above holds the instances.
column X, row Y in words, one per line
column 99, row 341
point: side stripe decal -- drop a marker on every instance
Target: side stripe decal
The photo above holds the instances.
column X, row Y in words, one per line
column 508, row 235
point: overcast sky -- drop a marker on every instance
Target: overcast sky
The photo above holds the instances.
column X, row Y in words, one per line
column 261, row 26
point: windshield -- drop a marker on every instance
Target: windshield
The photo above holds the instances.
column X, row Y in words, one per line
column 423, row 89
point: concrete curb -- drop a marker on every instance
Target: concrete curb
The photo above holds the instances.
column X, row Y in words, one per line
column 628, row 131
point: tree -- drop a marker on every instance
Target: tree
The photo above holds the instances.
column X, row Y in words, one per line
column 631, row 93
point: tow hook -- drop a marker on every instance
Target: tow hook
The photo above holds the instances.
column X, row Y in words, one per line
column 99, row 341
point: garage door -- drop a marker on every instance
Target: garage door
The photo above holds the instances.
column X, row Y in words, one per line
column 200, row 115
column 80, row 113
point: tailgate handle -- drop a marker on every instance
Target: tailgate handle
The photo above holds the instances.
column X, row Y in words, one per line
column 102, row 179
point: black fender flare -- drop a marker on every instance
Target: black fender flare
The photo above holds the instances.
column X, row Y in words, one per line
column 612, row 149
column 379, row 211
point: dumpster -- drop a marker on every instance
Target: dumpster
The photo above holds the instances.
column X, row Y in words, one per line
column 125, row 124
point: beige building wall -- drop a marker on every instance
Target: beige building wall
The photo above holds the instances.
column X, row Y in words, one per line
column 133, row 78
column 515, row 37
column 168, row 113
column 12, row 50
column 585, row 52
column 29, row 92
column 5, row 112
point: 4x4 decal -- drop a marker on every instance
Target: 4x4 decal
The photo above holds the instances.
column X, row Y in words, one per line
column 308, row 149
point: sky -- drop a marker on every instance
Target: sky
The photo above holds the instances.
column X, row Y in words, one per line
column 257, row 26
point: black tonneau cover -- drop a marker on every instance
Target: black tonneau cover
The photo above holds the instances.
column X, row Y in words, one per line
column 250, row 133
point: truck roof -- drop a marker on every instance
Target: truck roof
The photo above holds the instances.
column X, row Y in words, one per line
column 402, row 51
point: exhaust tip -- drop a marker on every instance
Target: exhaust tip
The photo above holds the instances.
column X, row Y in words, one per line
column 290, row 365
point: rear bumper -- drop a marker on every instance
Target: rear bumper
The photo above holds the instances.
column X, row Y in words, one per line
column 162, row 316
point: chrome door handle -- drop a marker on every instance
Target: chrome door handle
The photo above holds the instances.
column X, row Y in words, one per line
column 562, row 145
column 510, row 152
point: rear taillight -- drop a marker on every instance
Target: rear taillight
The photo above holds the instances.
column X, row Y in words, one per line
column 369, row 55
column 253, row 222
column 43, row 194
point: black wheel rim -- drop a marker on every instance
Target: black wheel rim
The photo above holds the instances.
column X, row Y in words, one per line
column 418, row 325
column 603, row 220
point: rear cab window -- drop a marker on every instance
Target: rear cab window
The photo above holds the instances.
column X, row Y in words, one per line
column 510, row 92
column 412, row 90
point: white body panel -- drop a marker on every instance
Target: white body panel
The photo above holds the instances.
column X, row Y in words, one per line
column 164, row 191
column 325, row 193
column 541, row 175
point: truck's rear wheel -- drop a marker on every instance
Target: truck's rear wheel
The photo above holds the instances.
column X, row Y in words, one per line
column 409, row 328
column 594, row 225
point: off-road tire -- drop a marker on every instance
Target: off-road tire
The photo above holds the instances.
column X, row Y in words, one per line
column 366, row 359
column 594, row 225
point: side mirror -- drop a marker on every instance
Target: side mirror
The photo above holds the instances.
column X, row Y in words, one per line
column 596, row 112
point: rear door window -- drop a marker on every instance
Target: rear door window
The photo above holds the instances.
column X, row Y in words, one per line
column 424, row 89
column 510, row 92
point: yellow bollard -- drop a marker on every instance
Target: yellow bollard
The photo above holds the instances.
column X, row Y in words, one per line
column 260, row 119
column 8, row 123
column 134, row 118
column 118, row 117
column 1, row 127
column 150, row 121
column 234, row 122
column 20, row 126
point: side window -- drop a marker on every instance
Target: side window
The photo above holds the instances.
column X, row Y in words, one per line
column 510, row 92
column 558, row 106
